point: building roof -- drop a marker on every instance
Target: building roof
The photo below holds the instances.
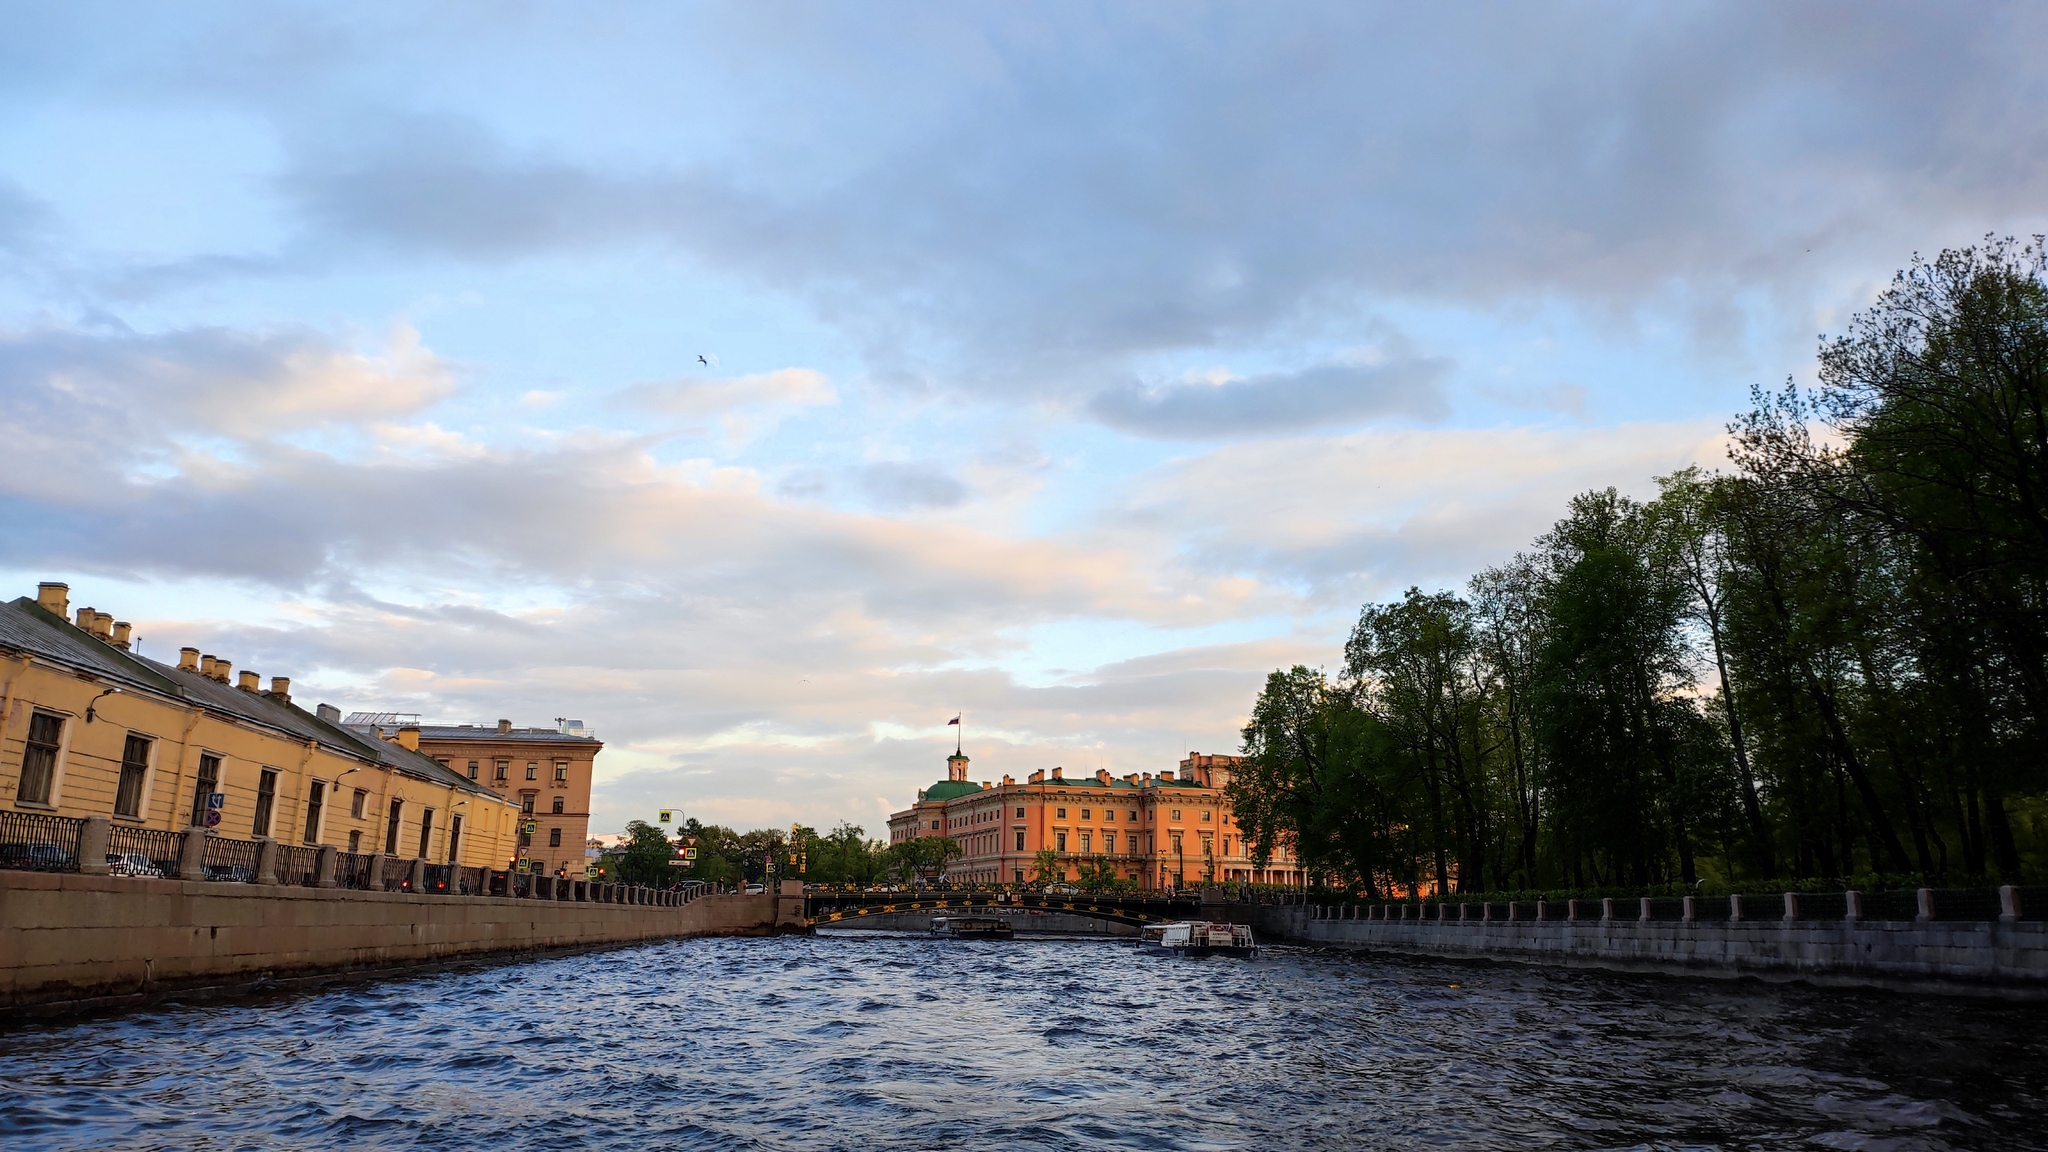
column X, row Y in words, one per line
column 26, row 626
column 489, row 732
column 951, row 789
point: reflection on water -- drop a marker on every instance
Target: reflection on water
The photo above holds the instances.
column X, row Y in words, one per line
column 864, row 1041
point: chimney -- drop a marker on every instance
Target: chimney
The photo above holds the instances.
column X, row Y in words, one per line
column 249, row 681
column 206, row 666
column 329, row 713
column 1102, row 775
column 54, row 598
column 85, row 618
column 409, row 738
column 103, row 626
column 222, row 669
column 1166, row 774
column 1059, row 773
column 281, row 689
column 1007, row 781
column 188, row 659
column 1130, row 777
column 122, row 630
column 504, row 726
column 1037, row 777
column 1145, row 778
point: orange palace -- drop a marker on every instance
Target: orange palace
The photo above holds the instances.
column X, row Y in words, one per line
column 1166, row 831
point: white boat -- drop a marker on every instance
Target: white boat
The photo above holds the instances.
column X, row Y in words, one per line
column 1199, row 938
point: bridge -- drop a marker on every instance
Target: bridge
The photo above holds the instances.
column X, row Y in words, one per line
column 845, row 907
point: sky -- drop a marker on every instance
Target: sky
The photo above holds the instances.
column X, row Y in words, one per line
column 764, row 384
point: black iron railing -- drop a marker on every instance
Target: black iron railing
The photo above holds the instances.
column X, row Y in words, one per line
column 298, row 866
column 133, row 851
column 397, row 874
column 231, row 860
column 39, row 842
column 352, row 870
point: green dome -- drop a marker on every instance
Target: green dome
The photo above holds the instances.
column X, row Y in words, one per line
column 951, row 789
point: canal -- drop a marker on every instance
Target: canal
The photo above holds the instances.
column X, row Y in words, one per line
column 873, row 1042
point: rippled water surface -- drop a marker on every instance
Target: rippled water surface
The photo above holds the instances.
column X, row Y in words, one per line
column 901, row 1042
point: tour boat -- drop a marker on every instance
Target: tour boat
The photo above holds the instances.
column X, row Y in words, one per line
column 972, row 928
column 1199, row 938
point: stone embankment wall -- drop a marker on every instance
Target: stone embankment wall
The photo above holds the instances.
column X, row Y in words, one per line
column 78, row 941
column 1994, row 958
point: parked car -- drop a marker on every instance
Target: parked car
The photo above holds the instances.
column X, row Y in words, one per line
column 132, row 864
column 40, row 857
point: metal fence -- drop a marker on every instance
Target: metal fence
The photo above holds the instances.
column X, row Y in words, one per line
column 352, row 870
column 297, row 866
column 397, row 874
column 38, row 842
column 143, row 851
column 231, row 860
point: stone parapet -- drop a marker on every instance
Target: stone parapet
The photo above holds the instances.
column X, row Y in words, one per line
column 68, row 939
column 1997, row 958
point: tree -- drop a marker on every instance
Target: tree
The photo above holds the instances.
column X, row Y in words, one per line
column 925, row 857
column 646, row 856
column 1046, row 867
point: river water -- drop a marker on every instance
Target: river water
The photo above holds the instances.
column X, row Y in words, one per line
column 866, row 1041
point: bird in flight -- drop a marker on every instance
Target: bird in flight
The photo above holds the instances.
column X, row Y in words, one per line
column 703, row 361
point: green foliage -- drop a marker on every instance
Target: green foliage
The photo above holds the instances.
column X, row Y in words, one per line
column 1832, row 661
column 924, row 857
column 1046, row 867
column 646, row 856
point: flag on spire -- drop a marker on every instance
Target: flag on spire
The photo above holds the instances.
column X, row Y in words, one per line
column 954, row 720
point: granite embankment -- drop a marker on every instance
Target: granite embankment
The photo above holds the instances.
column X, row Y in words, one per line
column 2006, row 957
column 71, row 941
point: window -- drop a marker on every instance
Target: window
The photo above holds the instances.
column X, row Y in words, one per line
column 1020, row 875
column 554, row 837
column 1061, row 838
column 504, row 769
column 315, row 800
column 355, row 841
column 1226, row 845
column 1176, row 843
column 526, row 803
column 472, row 769
column 1084, row 813
column 391, row 828
column 561, row 770
column 1087, row 844
column 533, row 769
column 1060, row 813
column 1020, row 813
column 1208, row 845
column 1020, row 839
column 455, row 839
column 1176, row 813
column 443, row 761
column 134, row 766
column 1205, row 815
column 355, row 806
column 426, row 831
column 266, row 801
column 1109, row 842
column 39, row 758
column 209, row 775
column 558, row 805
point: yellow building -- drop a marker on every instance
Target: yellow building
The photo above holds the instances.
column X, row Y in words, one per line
column 89, row 727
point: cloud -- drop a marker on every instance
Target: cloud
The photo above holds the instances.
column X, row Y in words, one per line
column 1278, row 402
column 899, row 487
column 786, row 387
column 213, row 380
